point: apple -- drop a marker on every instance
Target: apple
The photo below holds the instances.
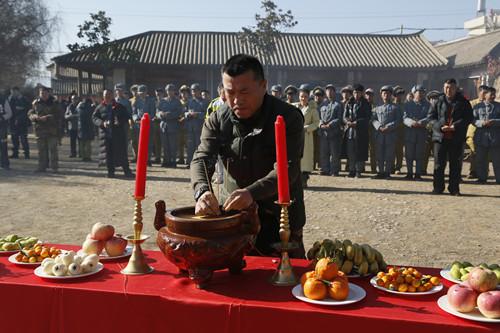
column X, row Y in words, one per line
column 462, row 298
column 116, row 246
column 92, row 246
column 489, row 304
column 102, row 232
column 482, row 279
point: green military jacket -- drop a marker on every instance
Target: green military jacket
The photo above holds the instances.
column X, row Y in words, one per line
column 248, row 152
column 50, row 127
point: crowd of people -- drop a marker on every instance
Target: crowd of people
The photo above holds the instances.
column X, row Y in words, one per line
column 346, row 126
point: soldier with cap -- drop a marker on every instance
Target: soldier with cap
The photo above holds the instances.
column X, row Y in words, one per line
column 330, row 133
column 19, row 123
column 155, row 128
column 432, row 97
column 5, row 115
column 346, row 93
column 356, row 118
column 471, row 132
column 487, row 136
column 71, row 116
column 195, row 116
column 277, row 91
column 290, row 92
column 398, row 99
column 169, row 111
column 386, row 120
column 319, row 99
column 415, row 119
column 142, row 104
column 184, row 96
column 369, row 96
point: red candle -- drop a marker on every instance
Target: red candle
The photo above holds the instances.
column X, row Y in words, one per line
column 281, row 160
column 142, row 158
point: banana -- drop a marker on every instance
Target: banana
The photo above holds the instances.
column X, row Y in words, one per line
column 368, row 252
column 374, row 267
column 347, row 242
column 363, row 268
column 382, row 266
column 358, row 255
column 349, row 251
column 346, row 267
column 378, row 255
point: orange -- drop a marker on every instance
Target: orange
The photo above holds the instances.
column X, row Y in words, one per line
column 342, row 275
column 380, row 274
column 326, row 269
column 421, row 289
column 412, row 289
column 380, row 282
column 416, row 283
column 306, row 276
column 403, row 288
column 428, row 286
column 409, row 279
column 400, row 280
column 315, row 289
column 435, row 280
column 338, row 289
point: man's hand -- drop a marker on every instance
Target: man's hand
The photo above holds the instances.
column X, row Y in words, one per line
column 382, row 129
column 238, row 200
column 486, row 123
column 446, row 128
column 207, row 204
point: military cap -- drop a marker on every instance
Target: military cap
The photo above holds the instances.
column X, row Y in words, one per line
column 195, row 86
column 483, row 87
column 369, row 91
column 433, row 94
column 305, row 87
column 276, row 87
column 133, row 87
column 387, row 88
column 358, row 87
column 398, row 90
column 330, row 86
column 318, row 91
column 170, row 86
column 417, row 87
column 142, row 88
column 347, row 88
column 290, row 89
column 184, row 87
column 120, row 86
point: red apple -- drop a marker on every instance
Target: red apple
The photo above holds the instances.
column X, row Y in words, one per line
column 92, row 246
column 115, row 246
column 489, row 304
column 462, row 298
column 102, row 232
column 482, row 279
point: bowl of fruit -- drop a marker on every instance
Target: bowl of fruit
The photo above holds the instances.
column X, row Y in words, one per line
column 34, row 256
column 406, row 281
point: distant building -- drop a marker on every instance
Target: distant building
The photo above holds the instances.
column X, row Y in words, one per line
column 187, row 57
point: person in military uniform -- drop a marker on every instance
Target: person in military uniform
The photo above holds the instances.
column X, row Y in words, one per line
column 46, row 117
column 156, row 134
column 346, row 93
column 432, row 97
column 471, row 132
column 415, row 119
column 195, row 116
column 184, row 93
column 86, row 132
column 370, row 97
column 142, row 104
column 487, row 136
column 290, row 92
column 319, row 99
column 71, row 116
column 169, row 111
column 386, row 120
column 356, row 117
column 242, row 133
column 112, row 120
column 277, row 91
column 5, row 115
column 19, row 123
column 330, row 133
column 398, row 99
column 450, row 117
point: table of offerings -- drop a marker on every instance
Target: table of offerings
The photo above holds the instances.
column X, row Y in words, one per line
column 165, row 301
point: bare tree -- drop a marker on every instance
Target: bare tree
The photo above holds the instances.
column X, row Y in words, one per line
column 262, row 37
column 26, row 30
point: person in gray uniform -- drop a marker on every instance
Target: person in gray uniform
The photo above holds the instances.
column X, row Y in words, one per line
column 415, row 119
column 330, row 133
column 386, row 119
column 142, row 104
column 195, row 117
column 487, row 136
column 169, row 111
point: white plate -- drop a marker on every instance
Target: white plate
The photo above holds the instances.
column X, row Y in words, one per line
column 475, row 315
column 13, row 260
column 445, row 273
column 356, row 294
column 434, row 289
column 39, row 272
column 104, row 256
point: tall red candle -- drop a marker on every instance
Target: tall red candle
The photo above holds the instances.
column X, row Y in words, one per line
column 142, row 158
column 281, row 160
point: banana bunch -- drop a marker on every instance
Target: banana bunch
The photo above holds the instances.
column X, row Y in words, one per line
column 351, row 258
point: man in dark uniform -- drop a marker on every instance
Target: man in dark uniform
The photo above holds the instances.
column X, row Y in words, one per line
column 19, row 123
column 241, row 132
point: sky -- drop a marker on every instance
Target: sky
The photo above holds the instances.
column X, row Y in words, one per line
column 313, row 16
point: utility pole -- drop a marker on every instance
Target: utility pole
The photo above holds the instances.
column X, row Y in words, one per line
column 401, row 29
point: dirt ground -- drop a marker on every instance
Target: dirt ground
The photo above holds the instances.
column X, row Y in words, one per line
column 400, row 218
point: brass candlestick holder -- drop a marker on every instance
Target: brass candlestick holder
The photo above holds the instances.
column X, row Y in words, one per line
column 284, row 276
column 137, row 263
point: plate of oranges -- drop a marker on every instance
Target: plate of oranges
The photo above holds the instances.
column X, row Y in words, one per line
column 406, row 281
column 327, row 285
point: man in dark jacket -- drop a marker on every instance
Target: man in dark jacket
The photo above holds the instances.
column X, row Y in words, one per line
column 19, row 123
column 450, row 117
column 112, row 119
column 86, row 130
column 71, row 117
column 241, row 132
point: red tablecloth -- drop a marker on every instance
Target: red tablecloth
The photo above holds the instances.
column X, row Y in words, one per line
column 164, row 302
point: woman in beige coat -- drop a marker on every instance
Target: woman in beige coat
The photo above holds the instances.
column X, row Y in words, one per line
column 311, row 123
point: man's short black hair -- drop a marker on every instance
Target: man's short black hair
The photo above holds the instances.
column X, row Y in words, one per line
column 483, row 87
column 450, row 81
column 242, row 63
column 491, row 90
